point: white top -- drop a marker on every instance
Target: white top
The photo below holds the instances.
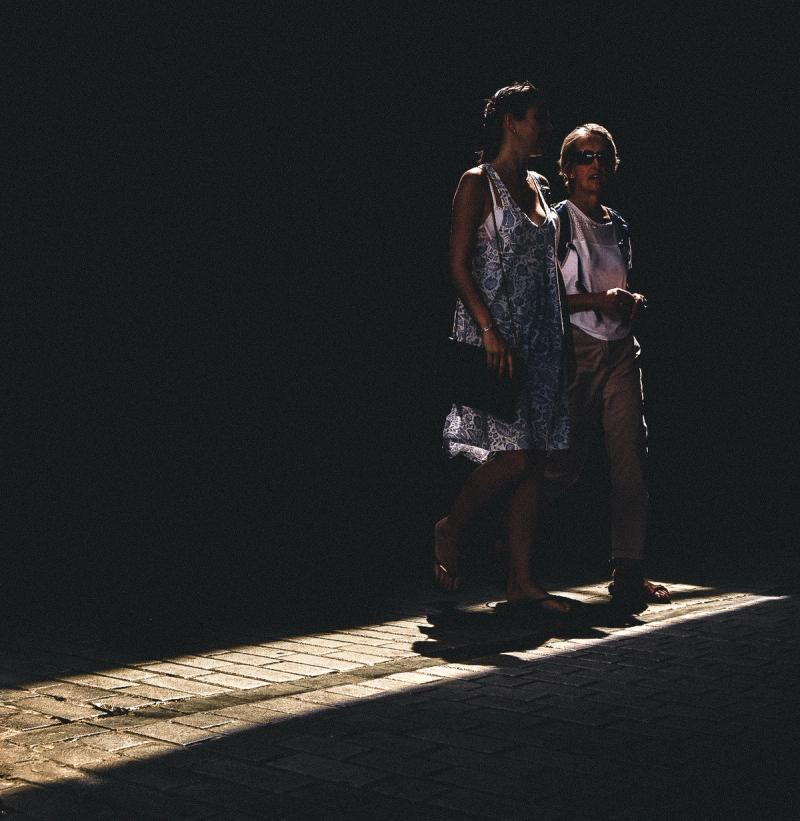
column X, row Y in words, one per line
column 602, row 267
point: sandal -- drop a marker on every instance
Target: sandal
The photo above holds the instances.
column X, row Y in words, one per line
column 442, row 575
column 532, row 607
column 628, row 585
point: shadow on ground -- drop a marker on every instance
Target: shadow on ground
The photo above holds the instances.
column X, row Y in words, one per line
column 683, row 721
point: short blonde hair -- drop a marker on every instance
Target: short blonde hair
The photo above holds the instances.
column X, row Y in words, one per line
column 566, row 161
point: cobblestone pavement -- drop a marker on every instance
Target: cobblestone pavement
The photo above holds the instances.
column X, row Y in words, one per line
column 432, row 712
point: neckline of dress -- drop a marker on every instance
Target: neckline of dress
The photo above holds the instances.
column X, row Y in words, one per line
column 515, row 204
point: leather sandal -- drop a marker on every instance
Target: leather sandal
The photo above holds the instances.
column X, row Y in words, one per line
column 628, row 585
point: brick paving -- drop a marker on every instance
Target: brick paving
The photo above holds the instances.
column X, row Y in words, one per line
column 432, row 712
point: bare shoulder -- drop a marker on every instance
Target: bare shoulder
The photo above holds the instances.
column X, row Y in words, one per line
column 472, row 178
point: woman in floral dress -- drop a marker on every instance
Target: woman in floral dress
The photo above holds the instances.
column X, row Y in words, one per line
column 510, row 303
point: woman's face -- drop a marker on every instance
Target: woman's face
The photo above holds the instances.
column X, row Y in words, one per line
column 533, row 129
column 591, row 174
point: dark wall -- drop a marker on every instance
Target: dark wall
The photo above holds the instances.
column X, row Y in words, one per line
column 233, row 271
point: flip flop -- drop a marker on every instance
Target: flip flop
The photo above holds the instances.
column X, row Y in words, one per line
column 532, row 607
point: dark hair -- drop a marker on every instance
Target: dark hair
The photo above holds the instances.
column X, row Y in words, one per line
column 515, row 99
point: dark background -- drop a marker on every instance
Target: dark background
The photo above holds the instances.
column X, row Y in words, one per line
column 228, row 233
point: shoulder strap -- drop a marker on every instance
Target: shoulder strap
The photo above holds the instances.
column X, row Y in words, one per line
column 496, row 230
column 622, row 232
column 564, row 230
column 544, row 186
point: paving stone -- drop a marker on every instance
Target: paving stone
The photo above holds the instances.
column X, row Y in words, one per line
column 203, row 721
column 385, row 651
column 483, row 805
column 281, row 645
column 325, row 697
column 55, row 804
column 154, row 693
column 14, row 754
column 232, row 727
column 261, row 777
column 78, row 755
column 250, row 747
column 60, row 732
column 122, row 700
column 499, row 703
column 357, row 657
column 133, row 801
column 26, row 720
column 74, row 692
column 229, row 797
column 200, row 662
column 301, row 669
column 156, row 773
column 168, row 668
column 356, row 639
column 134, row 719
column 247, row 659
column 327, row 769
column 317, row 641
column 235, row 682
column 330, row 660
column 59, row 708
column 329, row 747
column 392, row 742
column 250, row 713
column 192, row 687
column 96, row 680
column 130, row 673
column 466, row 740
column 355, row 691
column 175, row 733
column 113, row 741
column 261, row 674
column 395, row 763
column 293, row 706
column 412, row 789
column 147, row 751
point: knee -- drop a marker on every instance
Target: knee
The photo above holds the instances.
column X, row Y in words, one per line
column 519, row 463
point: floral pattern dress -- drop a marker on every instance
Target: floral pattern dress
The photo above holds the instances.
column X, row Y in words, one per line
column 524, row 299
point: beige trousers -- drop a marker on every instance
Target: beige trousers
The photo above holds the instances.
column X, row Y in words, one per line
column 606, row 398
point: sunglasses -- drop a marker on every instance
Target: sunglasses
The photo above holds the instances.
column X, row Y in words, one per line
column 588, row 157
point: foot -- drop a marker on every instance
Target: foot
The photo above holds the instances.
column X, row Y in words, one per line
column 544, row 605
column 629, row 584
column 532, row 596
column 445, row 558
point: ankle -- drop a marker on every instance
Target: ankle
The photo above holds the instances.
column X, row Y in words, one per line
column 623, row 567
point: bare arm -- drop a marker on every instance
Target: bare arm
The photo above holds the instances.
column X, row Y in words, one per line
column 471, row 205
column 616, row 303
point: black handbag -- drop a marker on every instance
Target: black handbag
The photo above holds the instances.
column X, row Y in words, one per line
column 466, row 378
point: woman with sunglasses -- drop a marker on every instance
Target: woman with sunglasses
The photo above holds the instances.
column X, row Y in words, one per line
column 503, row 265
column 595, row 263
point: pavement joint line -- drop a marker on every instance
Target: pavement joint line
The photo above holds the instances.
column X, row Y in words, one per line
column 465, row 653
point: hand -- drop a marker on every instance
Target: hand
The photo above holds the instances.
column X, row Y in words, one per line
column 618, row 303
column 499, row 356
column 639, row 304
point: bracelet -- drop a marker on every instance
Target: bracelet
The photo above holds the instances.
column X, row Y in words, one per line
column 487, row 328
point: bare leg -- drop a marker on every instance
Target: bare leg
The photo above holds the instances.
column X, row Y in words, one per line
column 522, row 521
column 483, row 484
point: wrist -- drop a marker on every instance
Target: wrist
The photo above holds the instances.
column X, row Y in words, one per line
column 486, row 328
